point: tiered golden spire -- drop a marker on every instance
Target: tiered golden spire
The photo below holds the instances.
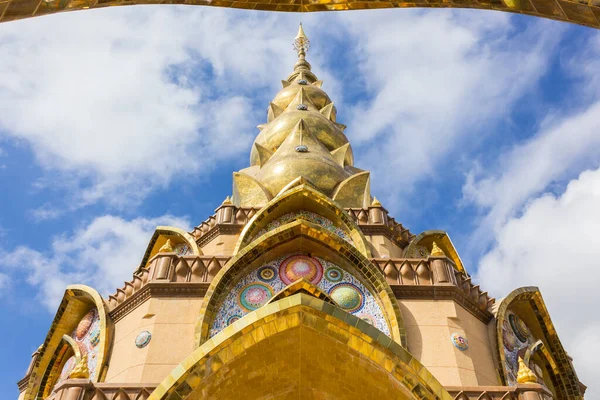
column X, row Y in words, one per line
column 525, row 374
column 81, row 371
column 301, row 139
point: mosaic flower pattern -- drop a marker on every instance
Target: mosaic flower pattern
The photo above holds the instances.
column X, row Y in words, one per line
column 310, row 217
column 348, row 296
column 256, row 288
column 459, row 341
column 300, row 267
column 516, row 338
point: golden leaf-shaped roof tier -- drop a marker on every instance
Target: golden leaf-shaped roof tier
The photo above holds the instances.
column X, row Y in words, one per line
column 301, row 141
column 584, row 12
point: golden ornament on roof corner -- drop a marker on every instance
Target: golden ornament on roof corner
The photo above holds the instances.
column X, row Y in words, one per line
column 436, row 251
column 227, row 201
column 81, row 371
column 166, row 248
column 376, row 202
column 525, row 374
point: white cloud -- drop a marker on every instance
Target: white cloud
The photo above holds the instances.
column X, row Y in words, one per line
column 439, row 81
column 103, row 254
column 565, row 143
column 115, row 103
column 554, row 246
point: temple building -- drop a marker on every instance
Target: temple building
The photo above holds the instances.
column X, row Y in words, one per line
column 300, row 285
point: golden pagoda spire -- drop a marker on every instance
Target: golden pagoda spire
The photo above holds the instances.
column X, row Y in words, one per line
column 525, row 374
column 81, row 370
column 166, row 248
column 436, row 251
column 301, row 140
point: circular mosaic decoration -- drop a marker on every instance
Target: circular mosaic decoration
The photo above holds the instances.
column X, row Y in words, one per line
column 142, row 339
column 459, row 342
column 254, row 296
column 508, row 339
column 334, row 274
column 347, row 296
column 300, row 266
column 95, row 335
column 518, row 327
column 84, row 325
column 267, row 274
column 232, row 319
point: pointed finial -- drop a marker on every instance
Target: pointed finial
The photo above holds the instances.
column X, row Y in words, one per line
column 375, row 202
column 301, row 43
column 436, row 251
column 525, row 374
column 81, row 371
column 227, row 201
column 166, row 248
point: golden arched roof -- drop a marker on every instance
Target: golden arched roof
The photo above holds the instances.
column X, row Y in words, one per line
column 160, row 237
column 293, row 237
column 300, row 335
column 76, row 302
column 303, row 197
column 426, row 240
column 585, row 12
column 528, row 302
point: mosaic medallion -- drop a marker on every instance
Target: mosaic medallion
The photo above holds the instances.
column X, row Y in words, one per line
column 267, row 274
column 84, row 325
column 334, row 274
column 518, row 327
column 254, row 296
column 459, row 342
column 348, row 296
column 142, row 339
column 232, row 319
column 300, row 266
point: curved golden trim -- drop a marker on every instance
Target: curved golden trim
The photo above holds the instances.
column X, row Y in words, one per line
column 442, row 239
column 580, row 13
column 302, row 286
column 567, row 383
column 76, row 302
column 71, row 342
column 280, row 205
column 312, row 237
column 153, row 246
column 301, row 311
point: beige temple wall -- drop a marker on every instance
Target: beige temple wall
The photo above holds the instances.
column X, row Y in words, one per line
column 171, row 321
column 382, row 247
column 222, row 245
column 429, row 324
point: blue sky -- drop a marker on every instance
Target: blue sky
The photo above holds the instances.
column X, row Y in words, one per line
column 480, row 123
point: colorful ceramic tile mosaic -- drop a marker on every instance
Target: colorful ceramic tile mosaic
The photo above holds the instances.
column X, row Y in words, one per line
column 260, row 285
column 87, row 336
column 182, row 249
column 308, row 216
column 516, row 339
column 142, row 339
column 459, row 342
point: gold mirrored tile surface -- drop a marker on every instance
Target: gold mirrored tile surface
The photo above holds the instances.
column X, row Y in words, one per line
column 583, row 12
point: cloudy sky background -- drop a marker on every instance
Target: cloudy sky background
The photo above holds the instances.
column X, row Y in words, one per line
column 480, row 123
